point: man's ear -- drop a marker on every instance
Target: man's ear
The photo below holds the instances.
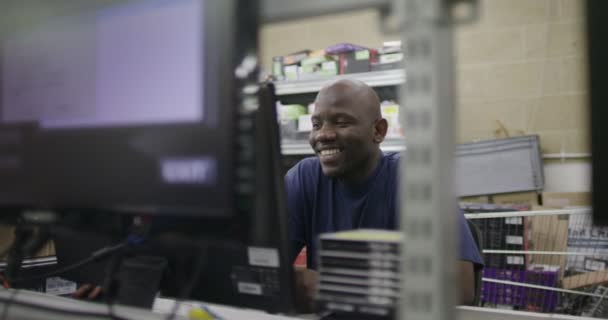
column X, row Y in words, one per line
column 380, row 129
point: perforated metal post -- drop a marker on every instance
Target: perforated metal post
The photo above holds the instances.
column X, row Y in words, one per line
column 429, row 283
column 429, row 271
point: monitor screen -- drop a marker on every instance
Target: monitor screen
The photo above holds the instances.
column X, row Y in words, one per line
column 113, row 107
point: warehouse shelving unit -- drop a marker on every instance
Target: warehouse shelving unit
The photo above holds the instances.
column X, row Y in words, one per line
column 373, row 79
column 305, row 90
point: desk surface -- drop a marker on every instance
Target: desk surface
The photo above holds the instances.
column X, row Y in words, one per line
column 469, row 313
column 27, row 305
column 33, row 305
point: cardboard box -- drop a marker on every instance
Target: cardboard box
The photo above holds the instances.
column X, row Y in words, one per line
column 585, row 279
column 527, row 198
column 522, row 198
column 476, row 199
column 565, row 199
column 585, row 237
column 549, row 233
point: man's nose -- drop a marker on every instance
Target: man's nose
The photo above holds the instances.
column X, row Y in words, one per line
column 325, row 133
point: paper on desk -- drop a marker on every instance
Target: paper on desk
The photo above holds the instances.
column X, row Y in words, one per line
column 165, row 306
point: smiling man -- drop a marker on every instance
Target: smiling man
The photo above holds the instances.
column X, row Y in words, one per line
column 350, row 183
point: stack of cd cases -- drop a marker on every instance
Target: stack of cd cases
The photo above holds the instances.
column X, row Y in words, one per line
column 359, row 274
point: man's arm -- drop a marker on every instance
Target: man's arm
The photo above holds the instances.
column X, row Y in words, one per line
column 467, row 282
column 470, row 258
column 296, row 211
column 305, row 279
column 306, row 287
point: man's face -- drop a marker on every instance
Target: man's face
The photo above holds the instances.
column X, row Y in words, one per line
column 342, row 136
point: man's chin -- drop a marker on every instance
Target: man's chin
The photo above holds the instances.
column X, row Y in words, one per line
column 332, row 172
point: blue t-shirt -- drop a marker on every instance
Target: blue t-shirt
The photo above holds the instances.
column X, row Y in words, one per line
column 319, row 204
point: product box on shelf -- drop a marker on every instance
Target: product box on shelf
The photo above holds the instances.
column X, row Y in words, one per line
column 356, row 61
column 387, row 61
column 390, row 112
column 286, row 67
column 524, row 298
column 318, row 64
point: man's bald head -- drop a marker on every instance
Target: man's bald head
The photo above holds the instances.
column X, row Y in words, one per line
column 353, row 93
column 347, row 129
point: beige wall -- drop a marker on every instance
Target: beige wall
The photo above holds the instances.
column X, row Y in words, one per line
column 521, row 65
column 360, row 27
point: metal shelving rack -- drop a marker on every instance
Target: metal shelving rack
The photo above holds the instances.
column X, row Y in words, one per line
column 428, row 273
column 294, row 147
column 373, row 78
column 385, row 78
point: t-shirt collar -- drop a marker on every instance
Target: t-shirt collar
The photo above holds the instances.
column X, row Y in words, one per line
column 358, row 189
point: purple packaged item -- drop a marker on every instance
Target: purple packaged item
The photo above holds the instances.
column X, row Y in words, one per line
column 343, row 47
column 524, row 298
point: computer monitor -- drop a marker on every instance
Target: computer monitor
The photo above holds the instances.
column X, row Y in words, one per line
column 149, row 108
column 126, row 107
column 597, row 49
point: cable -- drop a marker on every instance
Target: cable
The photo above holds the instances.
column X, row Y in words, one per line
column 187, row 289
column 16, row 254
column 99, row 254
column 109, row 286
column 42, row 307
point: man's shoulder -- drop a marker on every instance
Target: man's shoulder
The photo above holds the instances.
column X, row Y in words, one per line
column 392, row 159
column 392, row 156
column 306, row 165
column 305, row 168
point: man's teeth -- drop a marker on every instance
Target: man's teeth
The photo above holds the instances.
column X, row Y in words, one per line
column 329, row 152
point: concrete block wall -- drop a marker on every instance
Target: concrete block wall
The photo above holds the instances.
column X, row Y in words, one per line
column 520, row 68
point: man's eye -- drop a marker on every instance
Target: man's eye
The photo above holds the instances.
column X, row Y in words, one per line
column 342, row 123
column 316, row 126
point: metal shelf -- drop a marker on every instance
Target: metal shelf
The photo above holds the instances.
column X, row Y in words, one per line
column 294, row 148
column 373, row 79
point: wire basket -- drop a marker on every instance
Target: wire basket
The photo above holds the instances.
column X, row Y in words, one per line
column 552, row 261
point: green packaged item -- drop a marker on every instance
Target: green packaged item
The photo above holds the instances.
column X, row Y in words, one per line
column 291, row 72
column 292, row 111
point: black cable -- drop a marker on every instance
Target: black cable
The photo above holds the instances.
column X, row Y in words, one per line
column 42, row 307
column 109, row 286
column 99, row 254
column 187, row 289
column 16, row 254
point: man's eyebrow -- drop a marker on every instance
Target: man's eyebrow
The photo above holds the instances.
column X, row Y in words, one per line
column 333, row 116
column 343, row 115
